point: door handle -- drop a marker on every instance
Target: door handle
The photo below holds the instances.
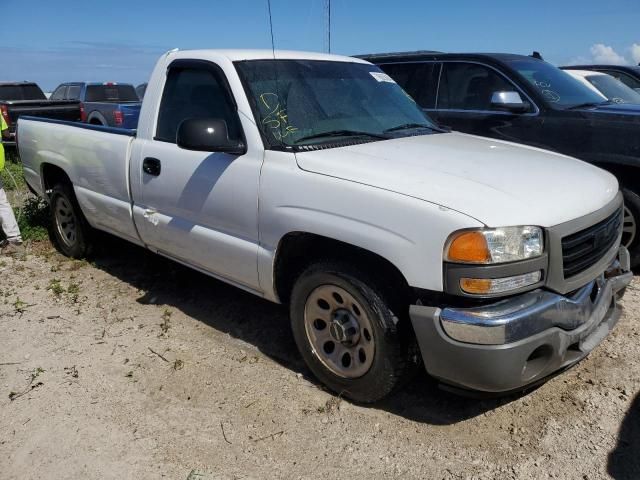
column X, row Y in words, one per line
column 151, row 166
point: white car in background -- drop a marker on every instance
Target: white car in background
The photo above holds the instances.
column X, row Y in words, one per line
column 607, row 86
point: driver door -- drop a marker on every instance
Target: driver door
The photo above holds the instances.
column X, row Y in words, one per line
column 199, row 208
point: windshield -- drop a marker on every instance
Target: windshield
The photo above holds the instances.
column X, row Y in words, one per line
column 307, row 102
column 613, row 89
column 557, row 87
column 21, row 92
column 111, row 93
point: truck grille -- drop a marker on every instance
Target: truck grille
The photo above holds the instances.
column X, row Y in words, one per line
column 585, row 248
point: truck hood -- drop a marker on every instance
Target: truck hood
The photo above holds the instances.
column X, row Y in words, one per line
column 495, row 182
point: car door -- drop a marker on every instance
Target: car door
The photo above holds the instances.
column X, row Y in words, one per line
column 464, row 103
column 200, row 208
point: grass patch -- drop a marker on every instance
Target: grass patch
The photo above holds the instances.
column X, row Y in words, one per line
column 12, row 176
column 56, row 287
column 33, row 213
column 34, row 219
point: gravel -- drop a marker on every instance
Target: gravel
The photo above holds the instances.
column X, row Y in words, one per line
column 134, row 367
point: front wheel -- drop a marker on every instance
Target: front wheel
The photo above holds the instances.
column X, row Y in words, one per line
column 347, row 333
column 631, row 222
column 70, row 231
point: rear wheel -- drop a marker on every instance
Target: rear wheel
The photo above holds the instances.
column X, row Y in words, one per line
column 348, row 333
column 631, row 223
column 69, row 229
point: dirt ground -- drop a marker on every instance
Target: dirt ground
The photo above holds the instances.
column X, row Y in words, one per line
column 130, row 366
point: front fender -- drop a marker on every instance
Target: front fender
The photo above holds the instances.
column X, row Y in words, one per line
column 407, row 232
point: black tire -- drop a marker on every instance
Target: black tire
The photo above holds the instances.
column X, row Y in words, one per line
column 391, row 362
column 632, row 242
column 76, row 244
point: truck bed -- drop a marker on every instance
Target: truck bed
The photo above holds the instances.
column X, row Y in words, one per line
column 55, row 109
column 95, row 158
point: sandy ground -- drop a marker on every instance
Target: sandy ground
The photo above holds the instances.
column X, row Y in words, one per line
column 133, row 367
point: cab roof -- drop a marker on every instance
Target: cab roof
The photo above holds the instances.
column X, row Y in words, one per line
column 235, row 55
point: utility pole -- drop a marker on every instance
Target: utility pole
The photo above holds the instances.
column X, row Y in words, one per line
column 327, row 20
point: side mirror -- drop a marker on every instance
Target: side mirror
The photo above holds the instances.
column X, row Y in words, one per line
column 208, row 135
column 509, row 102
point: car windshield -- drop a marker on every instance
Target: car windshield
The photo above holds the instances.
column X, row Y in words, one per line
column 558, row 88
column 613, row 89
column 307, row 102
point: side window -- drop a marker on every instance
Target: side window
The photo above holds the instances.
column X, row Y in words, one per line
column 628, row 80
column 420, row 80
column 194, row 93
column 469, row 86
column 58, row 94
column 74, row 92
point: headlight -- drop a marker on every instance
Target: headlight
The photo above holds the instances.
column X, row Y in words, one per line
column 495, row 245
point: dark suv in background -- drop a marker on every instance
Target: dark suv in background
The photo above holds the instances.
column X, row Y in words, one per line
column 629, row 75
column 526, row 100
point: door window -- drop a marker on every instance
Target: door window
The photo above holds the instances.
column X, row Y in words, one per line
column 194, row 93
column 420, row 80
column 469, row 86
column 74, row 92
column 59, row 93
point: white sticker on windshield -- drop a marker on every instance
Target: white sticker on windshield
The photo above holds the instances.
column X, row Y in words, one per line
column 382, row 77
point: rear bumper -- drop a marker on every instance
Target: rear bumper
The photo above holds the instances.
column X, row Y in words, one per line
column 515, row 342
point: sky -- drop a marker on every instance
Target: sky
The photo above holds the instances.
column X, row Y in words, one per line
column 53, row 42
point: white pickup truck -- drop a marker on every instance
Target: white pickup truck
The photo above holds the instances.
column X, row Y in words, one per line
column 314, row 180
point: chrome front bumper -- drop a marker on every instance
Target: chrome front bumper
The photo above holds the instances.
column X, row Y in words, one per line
column 519, row 317
column 514, row 342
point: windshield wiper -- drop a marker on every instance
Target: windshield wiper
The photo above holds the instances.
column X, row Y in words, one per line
column 589, row 104
column 407, row 126
column 342, row 133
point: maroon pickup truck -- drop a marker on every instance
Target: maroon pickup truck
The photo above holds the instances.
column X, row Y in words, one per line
column 26, row 98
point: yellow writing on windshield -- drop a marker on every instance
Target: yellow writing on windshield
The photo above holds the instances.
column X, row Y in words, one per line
column 276, row 118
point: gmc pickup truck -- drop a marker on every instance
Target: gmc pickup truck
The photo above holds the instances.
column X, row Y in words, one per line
column 315, row 181
column 26, row 98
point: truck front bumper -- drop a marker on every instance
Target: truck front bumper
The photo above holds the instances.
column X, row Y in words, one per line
column 518, row 341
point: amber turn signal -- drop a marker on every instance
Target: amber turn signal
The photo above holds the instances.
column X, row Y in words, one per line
column 476, row 285
column 469, row 247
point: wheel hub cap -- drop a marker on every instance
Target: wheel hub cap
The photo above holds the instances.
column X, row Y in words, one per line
column 339, row 331
column 65, row 221
column 344, row 328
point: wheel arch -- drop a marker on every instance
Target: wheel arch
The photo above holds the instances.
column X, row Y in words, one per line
column 52, row 174
column 298, row 250
column 96, row 118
